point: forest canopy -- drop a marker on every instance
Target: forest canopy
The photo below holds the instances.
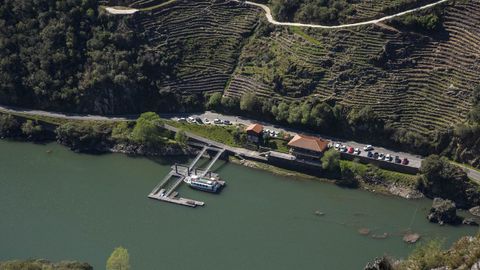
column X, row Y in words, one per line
column 72, row 56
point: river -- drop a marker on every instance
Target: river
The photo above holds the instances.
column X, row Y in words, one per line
column 59, row 205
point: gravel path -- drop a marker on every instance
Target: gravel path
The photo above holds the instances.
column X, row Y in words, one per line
column 268, row 14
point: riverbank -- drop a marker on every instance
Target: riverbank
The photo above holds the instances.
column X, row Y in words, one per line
column 390, row 185
column 97, row 137
column 148, row 136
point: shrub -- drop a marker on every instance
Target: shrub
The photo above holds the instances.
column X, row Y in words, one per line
column 30, row 129
column 214, row 101
column 181, row 137
column 148, row 128
column 331, row 161
column 9, row 126
column 248, row 102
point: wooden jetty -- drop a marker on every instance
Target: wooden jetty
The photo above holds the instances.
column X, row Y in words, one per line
column 177, row 176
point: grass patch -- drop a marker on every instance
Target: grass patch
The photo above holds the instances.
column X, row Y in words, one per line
column 222, row 134
column 278, row 145
column 389, row 176
column 298, row 30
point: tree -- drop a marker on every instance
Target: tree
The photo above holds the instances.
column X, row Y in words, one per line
column 248, row 102
column 229, row 103
column 365, row 120
column 331, row 161
column 119, row 260
column 281, row 112
column 9, row 126
column 181, row 137
column 121, row 131
column 30, row 129
column 440, row 178
column 147, row 128
column 214, row 101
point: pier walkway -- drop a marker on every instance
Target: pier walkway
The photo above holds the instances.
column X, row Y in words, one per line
column 165, row 190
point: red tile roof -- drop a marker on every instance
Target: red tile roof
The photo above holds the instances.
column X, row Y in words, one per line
column 308, row 143
column 257, row 128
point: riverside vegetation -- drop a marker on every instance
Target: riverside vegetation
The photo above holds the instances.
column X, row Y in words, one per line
column 119, row 260
column 463, row 254
column 146, row 136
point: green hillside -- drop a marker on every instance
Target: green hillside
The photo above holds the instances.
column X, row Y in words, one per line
column 406, row 82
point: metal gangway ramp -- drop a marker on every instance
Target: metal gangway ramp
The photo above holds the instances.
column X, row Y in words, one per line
column 180, row 172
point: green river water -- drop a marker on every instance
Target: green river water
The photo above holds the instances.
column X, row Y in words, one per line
column 63, row 205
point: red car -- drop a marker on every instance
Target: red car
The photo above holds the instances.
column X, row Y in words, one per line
column 405, row 161
column 350, row 150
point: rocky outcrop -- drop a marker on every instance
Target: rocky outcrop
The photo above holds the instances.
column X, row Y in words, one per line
column 144, row 150
column 379, row 264
column 444, row 212
column 44, row 264
column 470, row 221
column 475, row 211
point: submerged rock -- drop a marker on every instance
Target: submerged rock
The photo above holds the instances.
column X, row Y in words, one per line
column 444, row 212
column 364, row 231
column 380, row 236
column 411, row 238
column 319, row 213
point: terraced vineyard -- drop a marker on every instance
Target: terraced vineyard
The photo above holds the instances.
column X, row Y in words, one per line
column 421, row 84
column 414, row 81
column 373, row 9
column 207, row 35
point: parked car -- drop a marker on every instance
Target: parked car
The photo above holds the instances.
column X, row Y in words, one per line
column 217, row 121
column 198, row 120
column 356, row 151
column 375, row 155
column 350, row 150
column 405, row 161
column 397, row 159
column 343, row 148
column 369, row 154
column 337, row 145
column 206, row 121
column 190, row 119
column 388, row 157
column 381, row 156
column 226, row 122
column 368, row 148
column 182, row 119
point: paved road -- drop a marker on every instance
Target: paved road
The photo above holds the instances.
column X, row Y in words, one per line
column 270, row 18
column 415, row 160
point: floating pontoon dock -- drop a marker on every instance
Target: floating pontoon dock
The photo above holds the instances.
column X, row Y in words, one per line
column 178, row 173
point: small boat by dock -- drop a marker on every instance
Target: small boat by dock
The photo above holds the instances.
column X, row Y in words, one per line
column 211, row 184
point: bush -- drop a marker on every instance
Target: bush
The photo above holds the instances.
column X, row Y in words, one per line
column 442, row 179
column 331, row 161
column 427, row 256
column 181, row 137
column 248, row 102
column 9, row 126
column 214, row 101
column 148, row 129
column 31, row 129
